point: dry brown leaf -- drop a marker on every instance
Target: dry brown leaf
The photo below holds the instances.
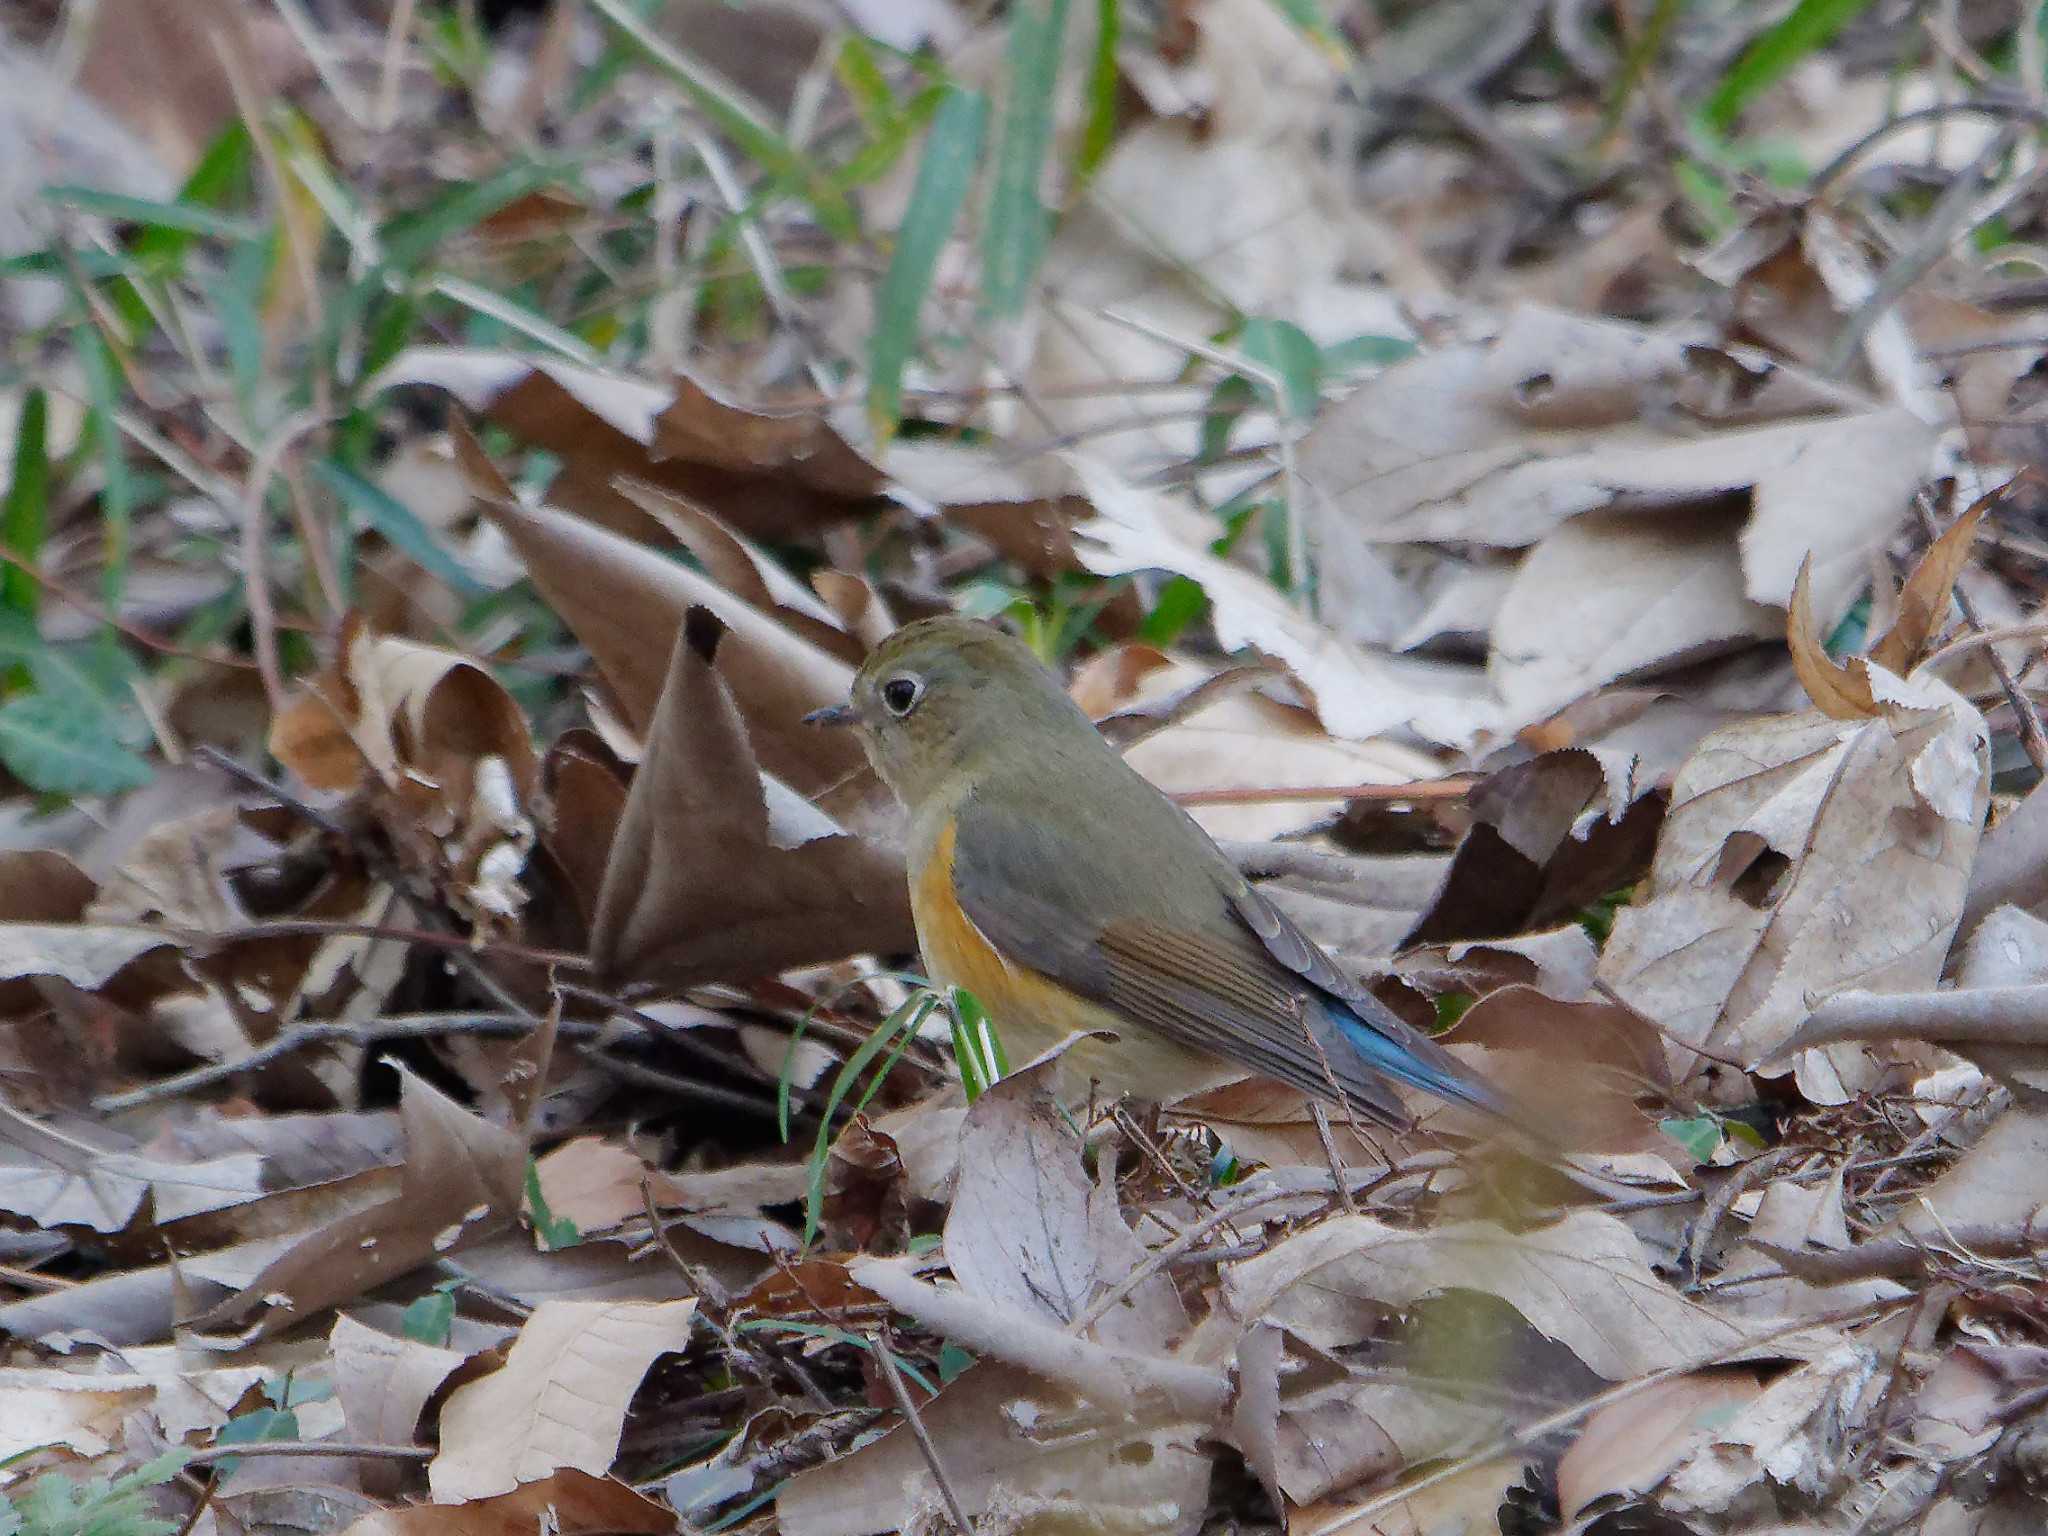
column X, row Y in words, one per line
column 626, row 604
column 1356, row 694
column 1498, row 442
column 1803, row 856
column 719, row 872
column 1126, row 1479
column 84, row 954
column 1786, row 1444
column 1583, row 1281
column 384, row 1384
column 1923, row 605
column 462, row 1181
column 1028, row 1230
column 569, row 1503
column 768, row 473
column 559, row 1400
column 1629, row 1446
column 1839, row 690
column 1612, row 595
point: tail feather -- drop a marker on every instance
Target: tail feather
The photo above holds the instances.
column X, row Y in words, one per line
column 1419, row 1063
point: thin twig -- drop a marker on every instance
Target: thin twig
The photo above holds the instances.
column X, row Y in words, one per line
column 254, row 514
column 894, row 1377
column 1451, row 789
column 2032, row 738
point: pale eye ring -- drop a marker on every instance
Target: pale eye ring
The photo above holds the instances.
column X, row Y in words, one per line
column 900, row 695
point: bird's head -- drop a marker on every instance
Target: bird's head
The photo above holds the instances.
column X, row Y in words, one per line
column 941, row 696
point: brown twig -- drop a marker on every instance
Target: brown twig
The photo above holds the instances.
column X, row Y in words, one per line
column 1451, row 789
column 885, row 1360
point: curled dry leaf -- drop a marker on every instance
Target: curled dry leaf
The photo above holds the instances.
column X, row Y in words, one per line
column 1356, row 694
column 626, row 604
column 718, row 871
column 560, row 1399
column 769, row 473
column 445, row 749
column 1803, row 855
column 461, row 1181
column 1583, row 1281
column 1499, row 442
column 1551, row 835
column 569, row 1503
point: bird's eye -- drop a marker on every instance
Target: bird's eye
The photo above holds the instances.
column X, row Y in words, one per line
column 901, row 694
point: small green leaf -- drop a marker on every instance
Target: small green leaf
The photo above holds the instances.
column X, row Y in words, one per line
column 1181, row 602
column 1451, row 1007
column 184, row 218
column 429, row 1319
column 1226, row 406
column 1699, row 1136
column 1288, row 352
column 1806, row 27
column 1014, row 240
column 952, row 1361
column 554, row 1231
column 60, row 746
column 942, row 180
column 1357, row 353
column 253, row 1428
column 887, row 1041
column 23, row 516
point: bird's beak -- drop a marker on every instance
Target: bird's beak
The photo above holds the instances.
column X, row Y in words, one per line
column 836, row 714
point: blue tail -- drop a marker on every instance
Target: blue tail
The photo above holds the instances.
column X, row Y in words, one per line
column 1420, row 1062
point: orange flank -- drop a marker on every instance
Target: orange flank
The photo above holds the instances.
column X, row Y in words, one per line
column 1033, row 1013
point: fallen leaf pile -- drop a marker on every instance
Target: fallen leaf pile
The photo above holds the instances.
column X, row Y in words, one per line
column 462, row 1064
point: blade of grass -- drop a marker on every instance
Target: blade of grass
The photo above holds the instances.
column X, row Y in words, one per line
column 24, row 517
column 739, row 119
column 1018, row 224
column 513, row 315
column 1806, row 27
column 117, row 495
column 943, row 176
column 409, row 238
column 893, row 1035
column 1098, row 133
column 180, row 218
column 397, row 523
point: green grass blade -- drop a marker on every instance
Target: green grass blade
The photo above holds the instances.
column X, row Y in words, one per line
column 893, row 1035
column 1808, row 26
column 1018, row 225
column 943, row 177
column 25, row 514
column 1098, row 133
column 408, row 239
column 184, row 218
column 397, row 523
column 739, row 119
column 117, row 496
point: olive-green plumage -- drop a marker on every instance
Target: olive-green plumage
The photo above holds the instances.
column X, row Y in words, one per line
column 1069, row 893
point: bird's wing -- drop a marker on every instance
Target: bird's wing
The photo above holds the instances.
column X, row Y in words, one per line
column 1227, row 973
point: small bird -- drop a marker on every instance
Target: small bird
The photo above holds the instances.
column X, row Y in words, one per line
column 1068, row 894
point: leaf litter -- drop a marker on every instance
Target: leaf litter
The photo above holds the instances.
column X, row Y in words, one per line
column 480, row 1080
